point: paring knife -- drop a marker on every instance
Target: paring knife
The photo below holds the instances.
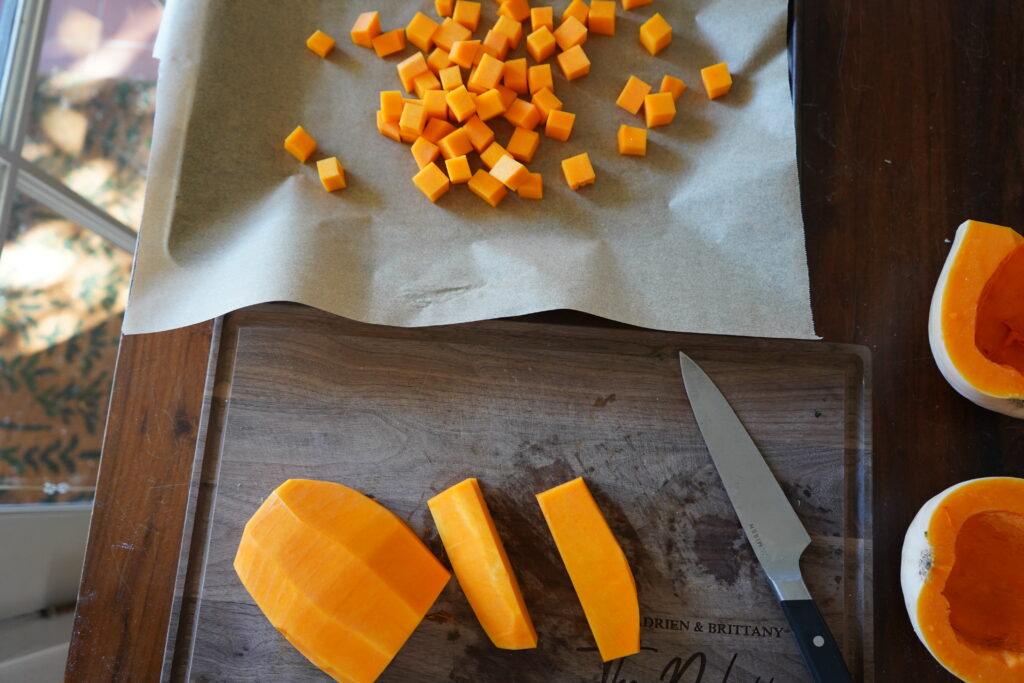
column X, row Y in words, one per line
column 768, row 519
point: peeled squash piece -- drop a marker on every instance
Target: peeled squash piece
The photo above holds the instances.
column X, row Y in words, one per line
column 597, row 566
column 340, row 576
column 976, row 322
column 481, row 565
column 963, row 579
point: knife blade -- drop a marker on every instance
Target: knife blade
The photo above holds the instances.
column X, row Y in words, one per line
column 768, row 519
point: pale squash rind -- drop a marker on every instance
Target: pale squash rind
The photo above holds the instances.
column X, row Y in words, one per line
column 1012, row 406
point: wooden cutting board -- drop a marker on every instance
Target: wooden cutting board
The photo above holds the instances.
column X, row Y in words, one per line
column 402, row 414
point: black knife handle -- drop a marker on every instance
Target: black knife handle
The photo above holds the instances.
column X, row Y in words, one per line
column 817, row 645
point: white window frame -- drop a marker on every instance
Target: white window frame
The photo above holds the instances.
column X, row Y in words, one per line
column 24, row 23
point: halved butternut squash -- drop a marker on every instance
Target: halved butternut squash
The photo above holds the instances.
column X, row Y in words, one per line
column 597, row 566
column 340, row 576
column 963, row 579
column 976, row 321
column 481, row 565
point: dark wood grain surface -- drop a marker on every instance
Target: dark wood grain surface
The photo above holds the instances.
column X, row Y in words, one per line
column 908, row 123
column 401, row 414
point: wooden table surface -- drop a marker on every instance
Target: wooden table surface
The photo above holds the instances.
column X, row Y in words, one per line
column 909, row 121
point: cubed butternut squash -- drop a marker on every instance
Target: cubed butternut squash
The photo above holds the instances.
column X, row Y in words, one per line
column 432, row 182
column 300, row 143
column 320, row 43
column 532, row 187
column 632, row 96
column 332, row 174
column 655, row 34
column 578, row 171
column 574, row 63
column 420, row 31
column 601, row 19
column 559, row 126
column 659, row 109
column 542, row 16
column 523, row 144
column 487, row 187
column 389, row 43
column 366, row 28
column 458, row 170
column 632, row 141
column 570, row 33
column 717, row 80
column 539, row 77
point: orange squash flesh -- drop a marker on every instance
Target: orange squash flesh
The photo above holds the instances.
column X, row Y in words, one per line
column 481, row 565
column 971, row 608
column 597, row 566
column 978, row 302
column 1000, row 329
column 339, row 575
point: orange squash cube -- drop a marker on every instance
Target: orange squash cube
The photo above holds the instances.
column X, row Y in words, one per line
column 320, row 43
column 458, row 170
column 366, row 28
column 487, row 187
column 632, row 141
column 546, row 102
column 435, row 103
column 601, row 19
column 436, row 129
column 424, row 151
column 560, row 125
column 449, row 33
column 409, row 68
column 511, row 28
column 574, row 63
column 655, row 34
column 439, row 60
column 514, row 76
column 532, row 187
column 632, row 96
column 542, row 16
column 508, row 96
column 463, row 53
column 443, row 7
column 424, row 83
column 414, row 118
column 389, row 43
column 420, row 31
column 510, row 172
column 480, row 134
column 539, row 77
column 659, row 109
column 451, row 78
column 514, row 9
column 541, row 44
column 432, row 182
column 673, row 85
column 300, row 143
column 489, row 105
column 717, row 80
column 391, row 104
column 633, row 4
column 487, row 74
column 523, row 144
column 331, row 173
column 388, row 128
column 467, row 13
column 460, row 103
column 496, row 44
column 523, row 114
column 572, row 32
column 455, row 144
column 578, row 171
column 577, row 9
column 493, row 154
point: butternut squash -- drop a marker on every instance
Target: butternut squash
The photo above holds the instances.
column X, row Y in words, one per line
column 963, row 581
column 481, row 565
column 341, row 577
column 976, row 321
column 597, row 566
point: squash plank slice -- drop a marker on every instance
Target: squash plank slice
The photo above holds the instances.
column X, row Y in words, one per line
column 481, row 565
column 597, row 566
column 339, row 575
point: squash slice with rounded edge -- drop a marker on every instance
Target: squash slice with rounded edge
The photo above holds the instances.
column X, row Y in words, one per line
column 976, row 322
column 963, row 579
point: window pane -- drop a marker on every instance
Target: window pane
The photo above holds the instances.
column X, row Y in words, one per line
column 62, row 294
column 92, row 117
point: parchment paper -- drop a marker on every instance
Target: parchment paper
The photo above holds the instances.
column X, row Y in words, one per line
column 704, row 234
